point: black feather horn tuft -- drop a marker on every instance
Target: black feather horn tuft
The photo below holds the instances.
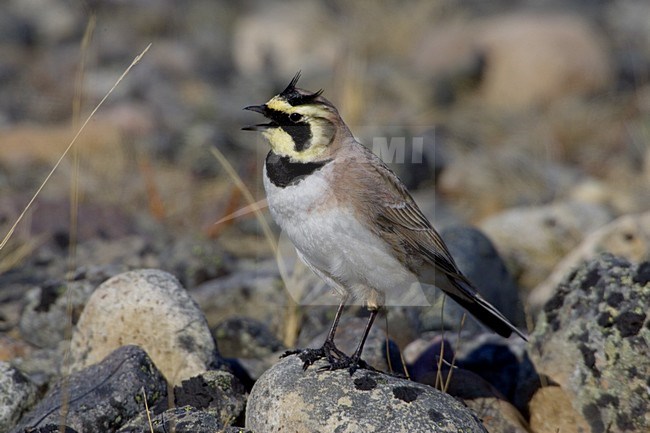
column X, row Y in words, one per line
column 292, row 85
column 294, row 97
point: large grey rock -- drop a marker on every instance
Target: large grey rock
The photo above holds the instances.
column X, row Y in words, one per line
column 551, row 232
column 17, row 394
column 289, row 399
column 151, row 309
column 627, row 236
column 593, row 340
column 101, row 397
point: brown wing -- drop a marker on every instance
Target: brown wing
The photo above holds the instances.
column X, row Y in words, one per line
column 414, row 240
column 399, row 216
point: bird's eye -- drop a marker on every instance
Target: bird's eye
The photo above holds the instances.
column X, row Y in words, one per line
column 295, row 117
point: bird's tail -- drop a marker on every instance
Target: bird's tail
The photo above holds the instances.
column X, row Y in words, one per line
column 481, row 309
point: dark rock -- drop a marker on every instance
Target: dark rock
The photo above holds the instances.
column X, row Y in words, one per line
column 101, row 397
column 497, row 365
column 216, row 392
column 53, row 428
column 243, row 337
column 289, row 399
column 17, row 394
column 240, row 372
column 494, row 410
column 182, row 419
column 479, row 260
column 593, row 339
column 428, row 360
column 528, row 382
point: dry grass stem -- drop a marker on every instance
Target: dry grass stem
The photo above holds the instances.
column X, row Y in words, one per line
column 67, row 149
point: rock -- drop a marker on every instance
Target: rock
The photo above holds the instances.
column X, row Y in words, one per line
column 551, row 232
column 479, row 260
column 472, row 177
column 216, row 392
column 51, row 310
column 426, row 363
column 517, row 60
column 192, row 259
column 181, row 419
column 17, row 394
column 243, row 337
column 627, row 236
column 43, row 366
column 207, row 402
column 494, row 410
column 101, row 397
column 551, row 410
column 151, row 309
column 496, row 364
column 11, row 348
column 248, row 370
column 254, row 292
column 185, row 419
column 592, row 338
column 288, row 399
column 299, row 40
column 532, row 59
column 498, row 415
column 626, row 24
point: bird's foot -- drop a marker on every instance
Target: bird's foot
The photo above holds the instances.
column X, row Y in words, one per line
column 329, row 351
column 336, row 359
column 351, row 363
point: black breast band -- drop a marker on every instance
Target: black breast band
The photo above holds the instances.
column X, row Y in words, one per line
column 282, row 172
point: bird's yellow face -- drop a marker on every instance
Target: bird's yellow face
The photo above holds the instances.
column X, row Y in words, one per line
column 302, row 124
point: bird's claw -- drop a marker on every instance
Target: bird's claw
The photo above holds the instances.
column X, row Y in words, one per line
column 351, row 363
column 336, row 359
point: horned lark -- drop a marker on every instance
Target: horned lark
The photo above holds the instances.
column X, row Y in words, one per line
column 352, row 220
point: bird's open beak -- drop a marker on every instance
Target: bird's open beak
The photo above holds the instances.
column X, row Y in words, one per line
column 262, row 126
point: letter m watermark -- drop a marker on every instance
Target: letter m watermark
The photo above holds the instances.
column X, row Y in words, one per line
column 395, row 150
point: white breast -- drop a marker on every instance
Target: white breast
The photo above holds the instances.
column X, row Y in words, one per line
column 333, row 241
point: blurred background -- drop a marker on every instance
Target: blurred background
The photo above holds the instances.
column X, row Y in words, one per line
column 535, row 119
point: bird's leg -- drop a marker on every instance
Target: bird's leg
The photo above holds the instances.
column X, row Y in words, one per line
column 328, row 350
column 328, row 346
column 354, row 362
column 371, row 320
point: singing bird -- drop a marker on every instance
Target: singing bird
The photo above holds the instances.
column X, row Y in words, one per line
column 351, row 219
